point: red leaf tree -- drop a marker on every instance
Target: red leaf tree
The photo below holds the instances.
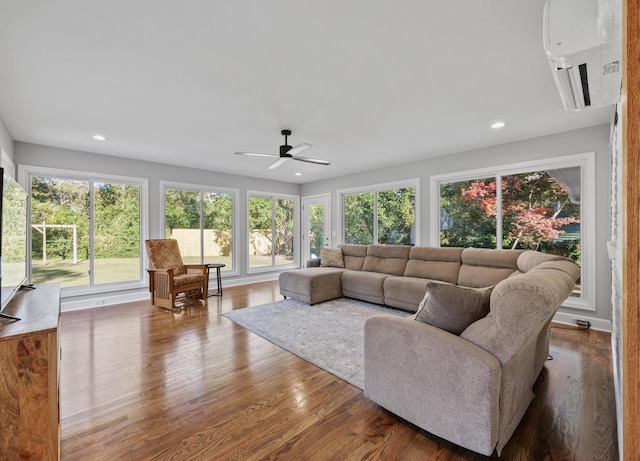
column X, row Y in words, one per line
column 532, row 205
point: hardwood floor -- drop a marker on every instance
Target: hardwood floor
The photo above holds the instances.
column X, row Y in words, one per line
column 139, row 383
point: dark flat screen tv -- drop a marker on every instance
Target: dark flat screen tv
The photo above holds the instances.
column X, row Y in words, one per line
column 14, row 235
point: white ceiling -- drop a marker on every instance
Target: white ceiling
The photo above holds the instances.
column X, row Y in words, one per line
column 370, row 83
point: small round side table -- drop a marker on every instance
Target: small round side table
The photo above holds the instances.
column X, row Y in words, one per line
column 217, row 267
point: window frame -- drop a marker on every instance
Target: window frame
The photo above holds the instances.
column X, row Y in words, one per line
column 375, row 188
column 586, row 163
column 25, row 172
column 200, row 188
column 296, row 232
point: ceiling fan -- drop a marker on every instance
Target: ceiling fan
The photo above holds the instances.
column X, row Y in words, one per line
column 288, row 152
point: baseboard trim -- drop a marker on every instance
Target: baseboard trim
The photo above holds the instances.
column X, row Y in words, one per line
column 596, row 323
column 109, row 299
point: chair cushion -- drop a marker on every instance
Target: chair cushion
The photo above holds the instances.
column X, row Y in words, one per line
column 187, row 279
column 453, row 308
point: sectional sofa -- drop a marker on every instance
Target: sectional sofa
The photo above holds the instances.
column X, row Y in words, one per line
column 470, row 384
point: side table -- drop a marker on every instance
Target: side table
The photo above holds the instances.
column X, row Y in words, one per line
column 217, row 267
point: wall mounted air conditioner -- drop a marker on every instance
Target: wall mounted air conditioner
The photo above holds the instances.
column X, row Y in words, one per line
column 583, row 41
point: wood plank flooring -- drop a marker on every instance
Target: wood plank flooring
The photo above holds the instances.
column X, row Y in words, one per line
column 142, row 383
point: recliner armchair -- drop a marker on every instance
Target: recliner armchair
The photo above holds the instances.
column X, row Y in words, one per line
column 169, row 276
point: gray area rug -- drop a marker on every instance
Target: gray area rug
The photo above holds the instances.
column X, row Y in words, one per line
column 330, row 335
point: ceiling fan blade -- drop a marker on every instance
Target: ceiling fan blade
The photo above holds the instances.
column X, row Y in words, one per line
column 299, row 148
column 256, row 154
column 312, row 160
column 278, row 162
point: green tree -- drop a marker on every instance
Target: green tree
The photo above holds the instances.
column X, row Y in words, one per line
column 218, row 216
column 464, row 224
column 394, row 210
column 316, row 228
column 358, row 218
column 116, row 220
column 283, row 219
column 182, row 210
column 59, row 201
column 260, row 215
column 67, row 202
column 396, row 216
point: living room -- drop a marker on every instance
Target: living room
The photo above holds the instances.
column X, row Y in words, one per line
column 30, row 151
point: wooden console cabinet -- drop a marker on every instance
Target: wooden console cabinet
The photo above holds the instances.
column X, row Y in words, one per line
column 29, row 353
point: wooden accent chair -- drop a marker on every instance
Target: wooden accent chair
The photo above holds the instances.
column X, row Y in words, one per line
column 169, row 276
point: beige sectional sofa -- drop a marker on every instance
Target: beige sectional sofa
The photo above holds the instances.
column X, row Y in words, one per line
column 471, row 389
column 396, row 275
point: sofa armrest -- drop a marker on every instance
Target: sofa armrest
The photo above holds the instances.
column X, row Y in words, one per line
column 314, row 262
column 434, row 379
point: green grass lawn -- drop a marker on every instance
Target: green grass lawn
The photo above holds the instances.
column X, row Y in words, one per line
column 107, row 270
column 262, row 261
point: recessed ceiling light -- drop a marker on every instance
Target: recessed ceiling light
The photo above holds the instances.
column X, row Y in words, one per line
column 298, row 174
column 99, row 137
column 497, row 125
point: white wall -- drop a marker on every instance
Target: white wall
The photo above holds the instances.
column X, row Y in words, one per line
column 6, row 142
column 578, row 141
column 52, row 157
column 572, row 142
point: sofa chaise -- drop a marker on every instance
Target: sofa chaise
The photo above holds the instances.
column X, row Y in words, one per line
column 471, row 386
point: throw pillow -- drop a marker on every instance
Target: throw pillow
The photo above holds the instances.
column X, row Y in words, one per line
column 331, row 257
column 422, row 303
column 453, row 308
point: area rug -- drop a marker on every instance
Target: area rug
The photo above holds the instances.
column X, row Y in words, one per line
column 330, row 335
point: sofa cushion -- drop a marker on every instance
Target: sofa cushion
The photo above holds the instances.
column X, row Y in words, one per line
column 404, row 292
column 312, row 285
column 386, row 259
column 483, row 267
column 331, row 257
column 353, row 256
column 365, row 286
column 453, row 308
column 434, row 263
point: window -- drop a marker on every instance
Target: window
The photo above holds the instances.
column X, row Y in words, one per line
column 86, row 229
column 384, row 214
column 202, row 221
column 467, row 221
column 273, row 223
column 543, row 206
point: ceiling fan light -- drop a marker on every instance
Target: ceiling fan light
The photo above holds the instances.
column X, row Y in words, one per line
column 287, row 152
